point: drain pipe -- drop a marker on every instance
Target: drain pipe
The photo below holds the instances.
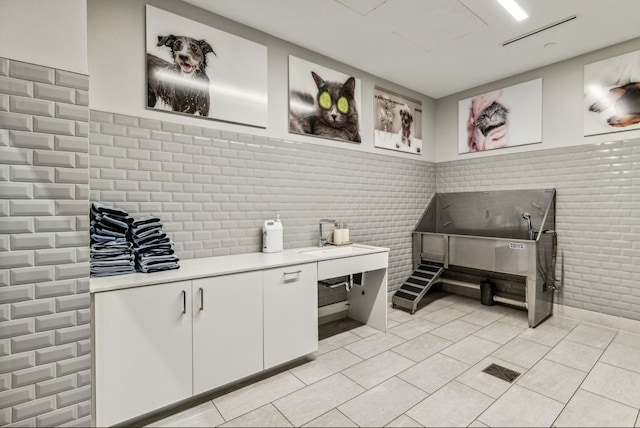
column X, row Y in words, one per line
column 475, row 286
column 347, row 283
column 554, row 253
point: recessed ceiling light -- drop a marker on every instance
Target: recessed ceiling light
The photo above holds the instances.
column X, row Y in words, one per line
column 514, row 9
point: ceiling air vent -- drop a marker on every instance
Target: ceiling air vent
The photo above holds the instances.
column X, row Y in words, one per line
column 539, row 30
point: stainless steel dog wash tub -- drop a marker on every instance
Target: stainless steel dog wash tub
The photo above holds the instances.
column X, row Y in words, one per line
column 468, row 238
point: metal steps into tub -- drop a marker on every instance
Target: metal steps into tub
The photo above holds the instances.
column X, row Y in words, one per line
column 417, row 285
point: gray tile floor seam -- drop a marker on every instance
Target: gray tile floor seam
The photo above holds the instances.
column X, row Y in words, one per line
column 547, row 395
column 475, row 389
column 508, row 385
column 455, row 380
column 585, row 378
column 599, row 395
column 587, row 358
column 245, row 419
column 216, row 407
column 606, row 396
column 325, row 414
column 372, row 418
column 403, row 422
column 236, row 417
column 548, row 355
column 283, row 415
column 587, row 375
column 494, row 399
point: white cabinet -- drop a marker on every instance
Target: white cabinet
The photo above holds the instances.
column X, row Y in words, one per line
column 142, row 350
column 290, row 313
column 227, row 329
column 157, row 345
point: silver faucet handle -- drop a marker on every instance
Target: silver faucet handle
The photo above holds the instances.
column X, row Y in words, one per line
column 322, row 241
column 327, row 220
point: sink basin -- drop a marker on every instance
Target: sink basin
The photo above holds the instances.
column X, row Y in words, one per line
column 337, row 251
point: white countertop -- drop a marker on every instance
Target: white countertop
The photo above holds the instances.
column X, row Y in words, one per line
column 224, row 265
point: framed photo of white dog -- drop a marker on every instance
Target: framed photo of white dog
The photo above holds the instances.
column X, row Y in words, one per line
column 612, row 95
column 508, row 117
column 398, row 122
column 197, row 70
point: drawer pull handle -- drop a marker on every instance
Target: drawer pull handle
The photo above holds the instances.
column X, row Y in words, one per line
column 184, row 302
column 293, row 273
column 201, row 299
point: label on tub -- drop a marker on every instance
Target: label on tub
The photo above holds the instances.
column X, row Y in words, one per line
column 516, row 246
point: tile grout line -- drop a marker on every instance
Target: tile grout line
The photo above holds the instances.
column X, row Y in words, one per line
column 279, row 411
column 585, row 378
column 564, row 405
column 414, row 363
column 511, row 384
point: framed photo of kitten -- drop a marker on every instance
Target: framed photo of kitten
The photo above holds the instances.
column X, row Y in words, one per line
column 323, row 102
column 398, row 122
column 197, row 70
column 508, row 117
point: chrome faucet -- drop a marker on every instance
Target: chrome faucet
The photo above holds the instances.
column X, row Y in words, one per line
column 533, row 232
column 323, row 241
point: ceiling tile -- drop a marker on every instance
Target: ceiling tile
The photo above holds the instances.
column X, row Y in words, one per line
column 435, row 28
column 363, row 7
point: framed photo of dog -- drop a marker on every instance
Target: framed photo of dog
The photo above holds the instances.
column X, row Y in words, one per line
column 398, row 122
column 612, row 95
column 508, row 117
column 197, row 70
column 323, row 102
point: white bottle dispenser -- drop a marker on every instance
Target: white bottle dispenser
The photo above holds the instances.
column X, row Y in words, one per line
column 272, row 234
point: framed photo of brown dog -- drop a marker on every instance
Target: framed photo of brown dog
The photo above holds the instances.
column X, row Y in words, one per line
column 197, row 70
column 507, row 117
column 398, row 122
column 612, row 95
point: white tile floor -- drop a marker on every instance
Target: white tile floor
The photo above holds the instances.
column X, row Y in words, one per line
column 427, row 371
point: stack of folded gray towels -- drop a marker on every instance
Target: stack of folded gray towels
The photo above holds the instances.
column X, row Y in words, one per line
column 152, row 247
column 111, row 251
column 121, row 244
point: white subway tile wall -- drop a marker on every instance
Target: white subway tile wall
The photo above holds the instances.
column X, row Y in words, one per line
column 598, row 201
column 213, row 189
column 45, row 334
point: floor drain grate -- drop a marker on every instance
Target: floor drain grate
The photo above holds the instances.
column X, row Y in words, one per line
column 501, row 372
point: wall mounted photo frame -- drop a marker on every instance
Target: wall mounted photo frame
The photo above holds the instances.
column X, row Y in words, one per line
column 197, row 70
column 397, row 122
column 612, row 95
column 323, row 102
column 508, row 117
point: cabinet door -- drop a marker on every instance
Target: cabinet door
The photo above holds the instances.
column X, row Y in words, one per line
column 290, row 313
column 142, row 350
column 227, row 329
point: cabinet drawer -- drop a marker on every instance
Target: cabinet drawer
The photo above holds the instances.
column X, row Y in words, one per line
column 290, row 276
column 290, row 313
column 348, row 265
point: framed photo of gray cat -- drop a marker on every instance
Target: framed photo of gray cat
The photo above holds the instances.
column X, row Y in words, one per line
column 323, row 102
column 612, row 95
column 197, row 70
column 398, row 122
column 508, row 117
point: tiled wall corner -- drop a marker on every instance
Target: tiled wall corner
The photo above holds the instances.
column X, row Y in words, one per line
column 598, row 200
column 213, row 190
column 45, row 355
